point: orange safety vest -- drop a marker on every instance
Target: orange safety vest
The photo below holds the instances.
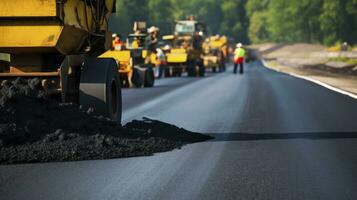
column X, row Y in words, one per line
column 117, row 45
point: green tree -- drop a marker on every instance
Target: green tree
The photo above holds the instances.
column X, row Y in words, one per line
column 127, row 12
column 258, row 30
column 331, row 20
column 316, row 21
column 234, row 21
column 295, row 20
column 351, row 16
column 257, row 12
column 160, row 14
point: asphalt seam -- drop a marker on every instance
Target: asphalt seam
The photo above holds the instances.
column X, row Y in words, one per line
column 325, row 85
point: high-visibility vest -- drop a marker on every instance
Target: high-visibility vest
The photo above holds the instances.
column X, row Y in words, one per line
column 239, row 53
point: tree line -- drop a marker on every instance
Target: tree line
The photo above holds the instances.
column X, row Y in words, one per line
column 249, row 21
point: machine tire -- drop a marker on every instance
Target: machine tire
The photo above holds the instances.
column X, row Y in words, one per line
column 201, row 69
column 138, row 77
column 191, row 69
column 125, row 81
column 100, row 88
column 167, row 72
column 149, row 77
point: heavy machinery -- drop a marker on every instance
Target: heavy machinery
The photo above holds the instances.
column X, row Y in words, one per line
column 215, row 53
column 186, row 53
column 58, row 41
column 135, row 68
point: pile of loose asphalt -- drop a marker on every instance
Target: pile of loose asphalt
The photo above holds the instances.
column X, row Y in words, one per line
column 36, row 128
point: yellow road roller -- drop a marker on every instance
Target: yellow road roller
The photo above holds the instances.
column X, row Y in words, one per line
column 214, row 56
column 186, row 53
column 135, row 63
column 58, row 41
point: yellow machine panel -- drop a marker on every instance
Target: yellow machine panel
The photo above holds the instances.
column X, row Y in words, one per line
column 176, row 57
column 21, row 8
column 29, row 36
column 178, row 51
column 121, row 56
column 49, row 26
column 210, row 61
column 217, row 43
column 153, row 58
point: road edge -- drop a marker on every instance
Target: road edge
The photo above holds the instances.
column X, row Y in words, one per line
column 325, row 85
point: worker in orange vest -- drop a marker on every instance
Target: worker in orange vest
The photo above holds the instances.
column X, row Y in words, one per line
column 239, row 54
column 118, row 44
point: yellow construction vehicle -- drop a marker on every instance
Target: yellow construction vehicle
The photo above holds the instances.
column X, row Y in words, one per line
column 58, row 41
column 214, row 51
column 186, row 53
column 136, row 70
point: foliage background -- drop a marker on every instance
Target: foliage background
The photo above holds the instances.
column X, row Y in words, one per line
column 249, row 21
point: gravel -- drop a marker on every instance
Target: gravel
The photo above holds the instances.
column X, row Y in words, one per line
column 36, row 128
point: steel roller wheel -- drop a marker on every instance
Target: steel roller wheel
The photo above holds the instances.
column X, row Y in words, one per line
column 100, row 88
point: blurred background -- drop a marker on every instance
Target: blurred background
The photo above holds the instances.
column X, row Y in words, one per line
column 328, row 22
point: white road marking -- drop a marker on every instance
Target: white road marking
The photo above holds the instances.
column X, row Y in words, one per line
column 325, row 85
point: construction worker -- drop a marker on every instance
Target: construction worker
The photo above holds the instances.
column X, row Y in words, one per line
column 239, row 54
column 161, row 61
column 151, row 41
column 118, row 44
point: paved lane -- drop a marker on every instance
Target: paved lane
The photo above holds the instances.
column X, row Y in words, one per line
column 263, row 122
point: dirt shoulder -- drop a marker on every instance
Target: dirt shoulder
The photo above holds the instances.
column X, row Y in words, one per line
column 309, row 56
column 344, row 82
column 337, row 69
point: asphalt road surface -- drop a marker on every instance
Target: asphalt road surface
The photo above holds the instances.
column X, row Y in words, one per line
column 277, row 137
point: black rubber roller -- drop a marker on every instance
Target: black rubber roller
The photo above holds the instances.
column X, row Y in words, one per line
column 138, row 76
column 149, row 77
column 100, row 87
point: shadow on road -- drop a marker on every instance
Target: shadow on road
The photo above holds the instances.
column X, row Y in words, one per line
column 281, row 136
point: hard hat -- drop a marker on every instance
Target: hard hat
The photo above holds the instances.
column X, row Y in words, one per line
column 114, row 35
column 167, row 47
column 153, row 29
column 239, row 45
column 200, row 33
